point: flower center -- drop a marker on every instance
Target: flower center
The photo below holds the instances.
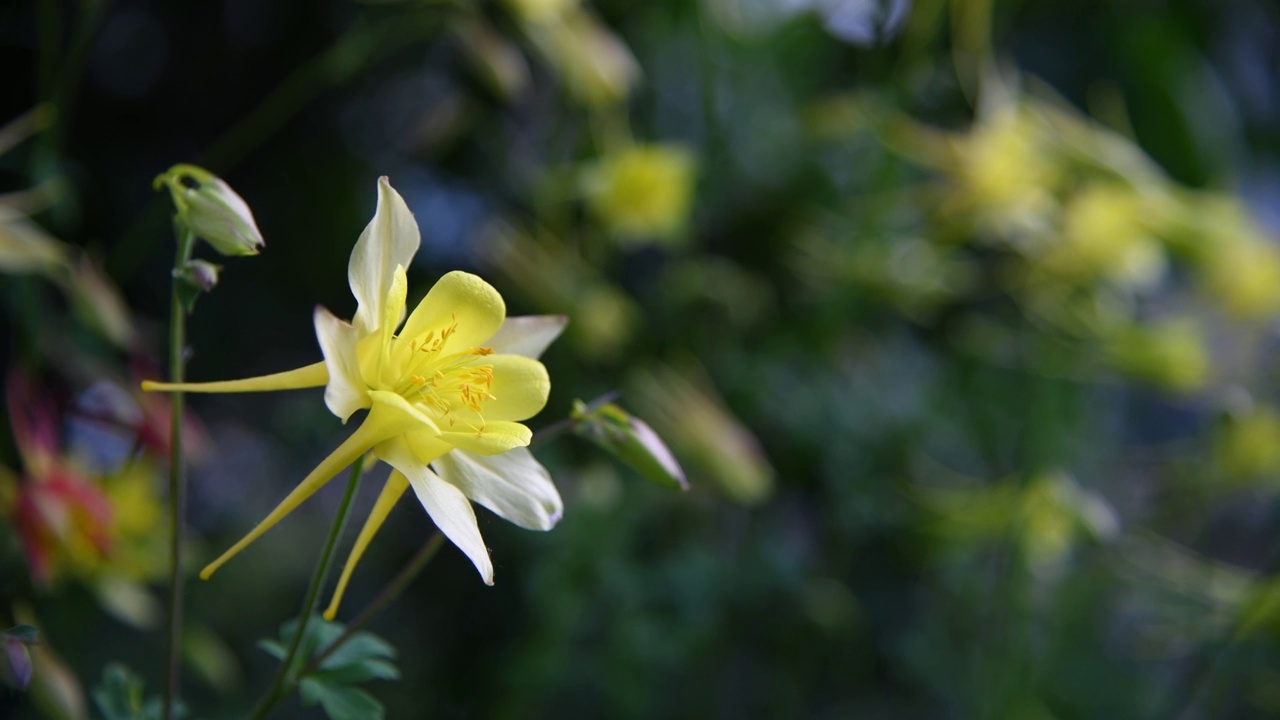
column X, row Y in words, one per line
column 452, row 385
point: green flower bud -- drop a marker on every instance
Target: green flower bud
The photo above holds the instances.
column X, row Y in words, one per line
column 212, row 211
column 629, row 439
column 201, row 274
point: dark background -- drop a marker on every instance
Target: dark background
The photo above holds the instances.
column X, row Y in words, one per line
column 841, row 589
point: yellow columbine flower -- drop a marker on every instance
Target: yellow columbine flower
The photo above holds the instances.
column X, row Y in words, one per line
column 1004, row 172
column 642, row 192
column 444, row 395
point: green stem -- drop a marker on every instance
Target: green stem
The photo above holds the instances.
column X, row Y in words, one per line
column 276, row 692
column 384, row 598
column 177, row 486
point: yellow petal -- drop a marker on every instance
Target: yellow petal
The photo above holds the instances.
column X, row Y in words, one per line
column 496, row 437
column 425, row 445
column 390, row 239
column 461, row 298
column 410, row 417
column 316, row 375
column 380, row 424
column 520, row 388
column 346, row 391
column 391, row 492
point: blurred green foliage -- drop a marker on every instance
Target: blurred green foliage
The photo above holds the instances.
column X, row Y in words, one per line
column 959, row 316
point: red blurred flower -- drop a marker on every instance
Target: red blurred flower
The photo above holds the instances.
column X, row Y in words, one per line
column 61, row 516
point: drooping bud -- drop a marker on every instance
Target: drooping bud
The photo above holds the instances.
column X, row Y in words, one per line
column 212, row 211
column 631, row 440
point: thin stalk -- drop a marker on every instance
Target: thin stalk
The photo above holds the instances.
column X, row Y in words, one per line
column 384, row 598
column 177, row 484
column 556, row 429
column 276, row 692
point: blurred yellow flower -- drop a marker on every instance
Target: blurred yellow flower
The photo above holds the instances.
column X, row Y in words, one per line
column 1105, row 235
column 1248, row 444
column 1170, row 354
column 446, row 393
column 1244, row 277
column 1047, row 516
column 643, row 192
column 556, row 276
column 1003, row 172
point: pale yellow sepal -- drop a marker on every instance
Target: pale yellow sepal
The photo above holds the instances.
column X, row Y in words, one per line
column 314, row 375
column 391, row 492
column 385, row 420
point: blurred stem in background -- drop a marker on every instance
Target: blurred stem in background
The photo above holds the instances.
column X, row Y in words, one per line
column 177, row 486
column 277, row 692
column 57, row 81
column 972, row 49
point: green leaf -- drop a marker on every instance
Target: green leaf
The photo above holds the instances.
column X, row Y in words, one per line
column 210, row 658
column 318, row 635
column 358, row 672
column 341, row 702
column 358, row 647
column 361, row 657
column 119, row 694
column 272, row 648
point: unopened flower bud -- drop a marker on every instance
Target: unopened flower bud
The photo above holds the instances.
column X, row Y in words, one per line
column 212, row 211
column 631, row 440
column 200, row 273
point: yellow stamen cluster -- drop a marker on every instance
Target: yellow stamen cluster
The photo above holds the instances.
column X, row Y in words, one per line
column 448, row 384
